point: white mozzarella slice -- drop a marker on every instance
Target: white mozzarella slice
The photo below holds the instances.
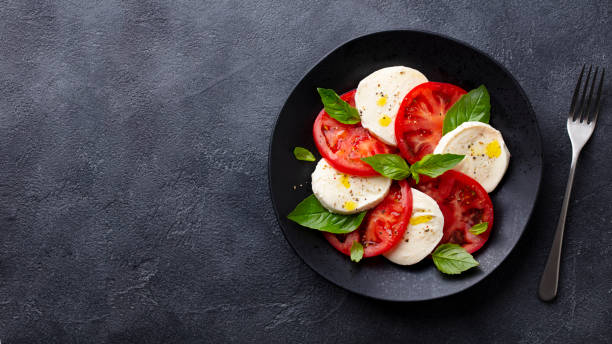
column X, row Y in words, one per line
column 423, row 234
column 486, row 155
column 347, row 194
column 379, row 97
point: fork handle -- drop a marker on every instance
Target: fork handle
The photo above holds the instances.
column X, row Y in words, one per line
column 550, row 277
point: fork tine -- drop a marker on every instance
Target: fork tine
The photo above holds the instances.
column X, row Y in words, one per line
column 585, row 113
column 584, row 92
column 575, row 96
column 598, row 100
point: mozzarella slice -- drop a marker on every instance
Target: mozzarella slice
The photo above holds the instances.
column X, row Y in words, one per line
column 347, row 194
column 379, row 97
column 486, row 155
column 423, row 234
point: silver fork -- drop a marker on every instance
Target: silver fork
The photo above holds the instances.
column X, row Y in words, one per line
column 580, row 126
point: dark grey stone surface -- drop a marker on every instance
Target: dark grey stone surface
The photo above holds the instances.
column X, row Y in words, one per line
column 134, row 202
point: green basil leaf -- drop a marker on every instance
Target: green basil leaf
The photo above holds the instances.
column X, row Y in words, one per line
column 310, row 213
column 389, row 165
column 453, row 259
column 356, row 251
column 475, row 106
column 479, row 228
column 415, row 176
column 337, row 108
column 303, row 154
column 434, row 165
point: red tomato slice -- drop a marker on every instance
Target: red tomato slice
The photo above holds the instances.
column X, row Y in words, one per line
column 464, row 204
column 418, row 126
column 343, row 145
column 383, row 226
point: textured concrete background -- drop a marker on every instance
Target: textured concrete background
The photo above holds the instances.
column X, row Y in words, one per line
column 133, row 185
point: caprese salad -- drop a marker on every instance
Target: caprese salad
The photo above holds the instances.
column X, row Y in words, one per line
column 406, row 168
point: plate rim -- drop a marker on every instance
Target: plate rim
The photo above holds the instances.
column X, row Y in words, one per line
column 522, row 94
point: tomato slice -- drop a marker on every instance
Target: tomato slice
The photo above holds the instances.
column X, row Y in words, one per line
column 343, row 145
column 418, row 125
column 383, row 226
column 464, row 203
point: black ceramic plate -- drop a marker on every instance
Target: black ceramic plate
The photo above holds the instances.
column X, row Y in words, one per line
column 440, row 59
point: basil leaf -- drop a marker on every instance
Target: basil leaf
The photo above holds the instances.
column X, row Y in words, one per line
column 356, row 251
column 453, row 259
column 310, row 213
column 337, row 108
column 389, row 165
column 475, row 106
column 479, row 228
column 415, row 176
column 303, row 154
column 395, row 167
column 434, row 165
